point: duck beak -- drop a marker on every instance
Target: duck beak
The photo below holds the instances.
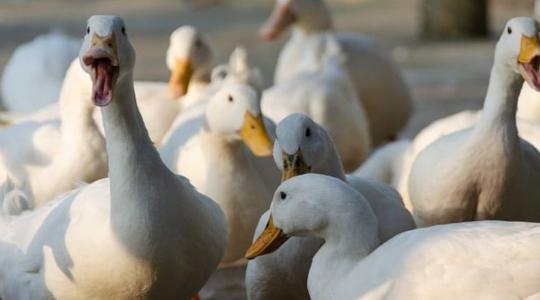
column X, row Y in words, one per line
column 269, row 241
column 280, row 19
column 293, row 165
column 529, row 61
column 254, row 135
column 180, row 77
column 102, row 59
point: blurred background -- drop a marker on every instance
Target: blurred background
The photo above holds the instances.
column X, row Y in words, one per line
column 445, row 58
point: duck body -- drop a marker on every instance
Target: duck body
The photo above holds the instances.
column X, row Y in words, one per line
column 377, row 81
column 423, row 264
column 33, row 77
column 227, row 173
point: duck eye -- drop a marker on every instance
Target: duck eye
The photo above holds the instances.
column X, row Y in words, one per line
column 282, row 195
column 509, row 30
column 87, row 30
column 308, row 132
column 230, row 98
column 123, row 30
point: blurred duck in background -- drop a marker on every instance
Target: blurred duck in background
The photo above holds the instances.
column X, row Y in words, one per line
column 33, row 76
column 324, row 93
column 378, row 83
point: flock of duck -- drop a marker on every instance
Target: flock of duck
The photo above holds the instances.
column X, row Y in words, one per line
column 141, row 190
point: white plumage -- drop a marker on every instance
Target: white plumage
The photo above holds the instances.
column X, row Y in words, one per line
column 34, row 74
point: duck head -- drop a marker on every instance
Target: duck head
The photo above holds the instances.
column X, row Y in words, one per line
column 234, row 111
column 189, row 55
column 519, row 48
column 107, row 56
column 315, row 205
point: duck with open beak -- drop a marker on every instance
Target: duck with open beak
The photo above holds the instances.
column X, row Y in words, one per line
column 529, row 61
column 272, row 237
column 102, row 59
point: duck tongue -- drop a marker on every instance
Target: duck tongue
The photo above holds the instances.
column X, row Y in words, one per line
column 102, row 90
column 532, row 76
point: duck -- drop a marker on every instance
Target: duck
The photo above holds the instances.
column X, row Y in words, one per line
column 220, row 160
column 238, row 70
column 486, row 171
column 379, row 85
column 148, row 229
column 439, row 262
column 323, row 93
column 302, row 146
column 45, row 158
column 33, row 76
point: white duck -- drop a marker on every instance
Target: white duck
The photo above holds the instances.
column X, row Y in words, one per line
column 487, row 171
column 303, row 146
column 142, row 233
column 238, row 71
column 440, row 262
column 323, row 94
column 219, row 160
column 377, row 80
column 33, row 76
column 47, row 158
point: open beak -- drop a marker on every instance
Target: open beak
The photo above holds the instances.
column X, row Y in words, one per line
column 254, row 135
column 280, row 19
column 269, row 241
column 180, row 77
column 529, row 61
column 293, row 165
column 102, row 58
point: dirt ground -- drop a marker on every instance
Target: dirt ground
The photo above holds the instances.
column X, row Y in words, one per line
column 445, row 77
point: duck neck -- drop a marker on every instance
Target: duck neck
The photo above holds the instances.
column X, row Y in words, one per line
column 136, row 173
column 500, row 105
column 331, row 165
column 352, row 237
column 76, row 110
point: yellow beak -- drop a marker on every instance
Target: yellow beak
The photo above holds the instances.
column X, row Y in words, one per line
column 529, row 49
column 293, row 165
column 253, row 133
column 269, row 241
column 180, row 77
